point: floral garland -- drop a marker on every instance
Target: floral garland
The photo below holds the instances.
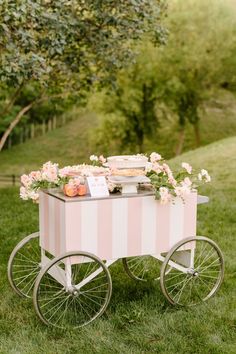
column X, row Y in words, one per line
column 168, row 184
column 165, row 183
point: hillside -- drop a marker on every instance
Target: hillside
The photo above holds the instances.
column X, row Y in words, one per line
column 72, row 144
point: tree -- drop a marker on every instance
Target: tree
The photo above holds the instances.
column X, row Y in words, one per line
column 68, row 46
column 179, row 75
column 193, row 61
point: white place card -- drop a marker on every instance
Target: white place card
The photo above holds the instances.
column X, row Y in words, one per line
column 98, row 186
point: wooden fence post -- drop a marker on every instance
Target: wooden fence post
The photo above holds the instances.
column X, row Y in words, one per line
column 43, row 128
column 49, row 125
column 32, row 131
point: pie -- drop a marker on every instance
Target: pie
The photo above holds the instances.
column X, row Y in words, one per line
column 128, row 172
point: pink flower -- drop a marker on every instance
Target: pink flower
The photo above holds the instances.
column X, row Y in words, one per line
column 165, row 195
column 157, row 168
column 166, row 169
column 26, row 180
column 154, row 157
column 35, row 175
column 187, row 167
column 50, row 172
column 65, row 171
column 172, row 181
column 181, row 191
column 23, row 193
column 102, row 159
column 186, row 182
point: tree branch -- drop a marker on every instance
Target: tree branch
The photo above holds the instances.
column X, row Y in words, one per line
column 12, row 100
column 21, row 113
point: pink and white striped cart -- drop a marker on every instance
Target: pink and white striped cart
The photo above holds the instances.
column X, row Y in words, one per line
column 65, row 265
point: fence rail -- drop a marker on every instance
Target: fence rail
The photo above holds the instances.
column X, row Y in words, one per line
column 13, row 180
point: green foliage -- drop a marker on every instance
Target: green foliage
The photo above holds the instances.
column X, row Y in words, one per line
column 65, row 47
column 181, row 75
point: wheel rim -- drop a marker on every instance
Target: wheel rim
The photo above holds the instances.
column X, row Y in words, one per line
column 24, row 265
column 61, row 304
column 142, row 268
column 204, row 273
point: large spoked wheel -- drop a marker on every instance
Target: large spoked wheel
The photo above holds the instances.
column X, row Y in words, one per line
column 142, row 268
column 24, row 265
column 196, row 274
column 72, row 290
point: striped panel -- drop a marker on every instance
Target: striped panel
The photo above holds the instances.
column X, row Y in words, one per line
column 72, row 237
column 134, row 232
column 88, row 225
column 104, row 232
column 163, row 227
column 176, row 222
column 149, row 225
column 119, row 227
column 115, row 228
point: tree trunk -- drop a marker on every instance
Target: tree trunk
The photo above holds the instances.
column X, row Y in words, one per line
column 21, row 114
column 180, row 143
column 197, row 134
column 14, row 123
column 12, row 100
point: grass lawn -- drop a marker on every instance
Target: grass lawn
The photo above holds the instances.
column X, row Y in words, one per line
column 138, row 319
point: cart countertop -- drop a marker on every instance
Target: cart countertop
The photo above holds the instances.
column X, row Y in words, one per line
column 141, row 193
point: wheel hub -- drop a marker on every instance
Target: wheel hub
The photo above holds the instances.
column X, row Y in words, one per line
column 193, row 272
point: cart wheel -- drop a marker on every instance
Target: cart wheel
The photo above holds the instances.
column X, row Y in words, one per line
column 24, row 265
column 196, row 274
column 72, row 290
column 142, row 268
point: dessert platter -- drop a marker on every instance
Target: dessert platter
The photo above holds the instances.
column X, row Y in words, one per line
column 127, row 172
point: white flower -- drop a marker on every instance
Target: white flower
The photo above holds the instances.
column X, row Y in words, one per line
column 208, row 179
column 93, row 158
column 204, row 172
column 34, row 196
column 155, row 157
column 187, row 167
column 148, row 167
column 204, row 176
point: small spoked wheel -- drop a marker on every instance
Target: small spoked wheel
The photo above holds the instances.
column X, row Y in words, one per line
column 24, row 265
column 142, row 268
column 197, row 270
column 72, row 290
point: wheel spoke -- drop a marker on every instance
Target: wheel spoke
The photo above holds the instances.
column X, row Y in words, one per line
column 71, row 306
column 202, row 281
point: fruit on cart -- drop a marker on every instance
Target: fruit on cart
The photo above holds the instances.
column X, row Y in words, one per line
column 81, row 189
column 70, row 190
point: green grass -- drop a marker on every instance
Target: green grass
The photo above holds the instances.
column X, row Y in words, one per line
column 138, row 319
column 65, row 145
